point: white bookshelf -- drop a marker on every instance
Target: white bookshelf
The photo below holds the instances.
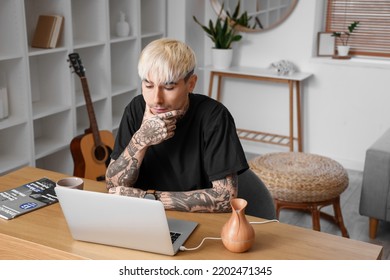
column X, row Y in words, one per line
column 46, row 101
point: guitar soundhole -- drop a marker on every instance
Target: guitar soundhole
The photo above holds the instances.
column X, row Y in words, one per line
column 100, row 153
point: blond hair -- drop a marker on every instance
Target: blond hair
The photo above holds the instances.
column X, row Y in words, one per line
column 166, row 60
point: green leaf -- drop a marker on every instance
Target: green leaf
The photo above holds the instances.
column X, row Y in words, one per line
column 352, row 26
column 221, row 32
column 236, row 10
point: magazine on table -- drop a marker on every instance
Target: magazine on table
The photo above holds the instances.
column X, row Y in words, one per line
column 27, row 198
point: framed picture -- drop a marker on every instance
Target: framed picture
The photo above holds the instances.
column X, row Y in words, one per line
column 326, row 44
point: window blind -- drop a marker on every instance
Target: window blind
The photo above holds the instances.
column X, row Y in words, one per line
column 372, row 36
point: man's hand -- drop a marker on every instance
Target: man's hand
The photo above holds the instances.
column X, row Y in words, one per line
column 157, row 128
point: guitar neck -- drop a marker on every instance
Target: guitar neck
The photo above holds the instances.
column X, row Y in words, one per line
column 91, row 114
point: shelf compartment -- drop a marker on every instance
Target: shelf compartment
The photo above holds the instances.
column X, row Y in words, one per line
column 124, row 61
column 14, row 148
column 60, row 161
column 101, row 111
column 96, row 73
column 130, row 9
column 119, row 103
column 11, row 28
column 35, row 8
column 50, row 84
column 152, row 17
column 89, row 21
column 52, row 133
column 11, row 75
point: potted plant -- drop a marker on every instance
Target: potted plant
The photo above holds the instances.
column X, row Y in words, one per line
column 222, row 34
column 343, row 37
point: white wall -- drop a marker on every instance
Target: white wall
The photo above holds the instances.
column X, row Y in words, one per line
column 345, row 103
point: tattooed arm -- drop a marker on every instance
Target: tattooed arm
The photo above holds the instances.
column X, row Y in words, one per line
column 123, row 172
column 154, row 129
column 215, row 199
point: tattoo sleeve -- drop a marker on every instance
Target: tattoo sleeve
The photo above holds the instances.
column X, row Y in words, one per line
column 124, row 171
column 215, row 199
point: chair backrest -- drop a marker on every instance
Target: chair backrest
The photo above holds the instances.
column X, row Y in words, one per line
column 253, row 190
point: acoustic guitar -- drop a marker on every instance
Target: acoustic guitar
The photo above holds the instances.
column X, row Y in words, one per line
column 91, row 150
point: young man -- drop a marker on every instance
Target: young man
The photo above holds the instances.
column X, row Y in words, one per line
column 173, row 145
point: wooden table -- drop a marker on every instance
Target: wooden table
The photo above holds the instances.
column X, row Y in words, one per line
column 43, row 234
column 259, row 74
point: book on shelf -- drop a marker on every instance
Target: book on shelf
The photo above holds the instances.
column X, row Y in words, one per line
column 27, row 198
column 47, row 31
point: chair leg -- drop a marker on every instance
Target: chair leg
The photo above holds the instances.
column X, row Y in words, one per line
column 373, row 227
column 315, row 216
column 339, row 217
column 277, row 208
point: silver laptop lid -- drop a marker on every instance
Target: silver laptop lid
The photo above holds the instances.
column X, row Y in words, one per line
column 121, row 221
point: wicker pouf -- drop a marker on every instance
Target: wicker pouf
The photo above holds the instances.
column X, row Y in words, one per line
column 304, row 181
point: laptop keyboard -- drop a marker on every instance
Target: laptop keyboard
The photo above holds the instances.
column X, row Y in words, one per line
column 174, row 236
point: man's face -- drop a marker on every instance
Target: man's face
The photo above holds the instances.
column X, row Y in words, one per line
column 162, row 98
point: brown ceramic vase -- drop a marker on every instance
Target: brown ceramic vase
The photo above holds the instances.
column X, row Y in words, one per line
column 238, row 234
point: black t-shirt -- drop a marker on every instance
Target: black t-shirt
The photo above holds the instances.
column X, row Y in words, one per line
column 205, row 147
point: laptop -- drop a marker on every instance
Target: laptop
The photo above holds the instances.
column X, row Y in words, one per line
column 122, row 221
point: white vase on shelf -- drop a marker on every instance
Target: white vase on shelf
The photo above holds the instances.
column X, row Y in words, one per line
column 222, row 58
column 122, row 26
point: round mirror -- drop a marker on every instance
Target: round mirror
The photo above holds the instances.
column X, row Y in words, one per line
column 258, row 15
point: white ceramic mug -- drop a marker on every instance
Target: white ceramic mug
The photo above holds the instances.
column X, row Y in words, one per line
column 71, row 182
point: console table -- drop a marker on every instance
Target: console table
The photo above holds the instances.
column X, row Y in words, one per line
column 262, row 74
